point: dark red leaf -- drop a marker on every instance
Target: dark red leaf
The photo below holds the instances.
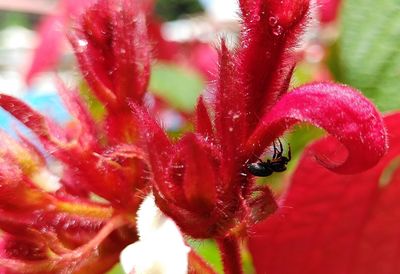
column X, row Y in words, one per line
column 330, row 223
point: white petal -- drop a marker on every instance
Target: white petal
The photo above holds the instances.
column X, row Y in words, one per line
column 149, row 218
column 161, row 248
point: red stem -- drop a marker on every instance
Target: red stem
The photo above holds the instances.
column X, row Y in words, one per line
column 230, row 253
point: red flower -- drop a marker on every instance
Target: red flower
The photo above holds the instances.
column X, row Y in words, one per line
column 202, row 180
column 47, row 213
column 331, row 223
column 55, row 225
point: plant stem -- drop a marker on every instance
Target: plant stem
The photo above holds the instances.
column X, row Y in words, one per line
column 230, row 253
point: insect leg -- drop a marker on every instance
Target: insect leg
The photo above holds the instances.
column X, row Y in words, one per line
column 280, row 151
column 275, row 150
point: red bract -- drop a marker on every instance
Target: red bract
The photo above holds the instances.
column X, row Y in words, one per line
column 111, row 44
column 202, row 181
column 330, row 223
column 67, row 221
column 113, row 50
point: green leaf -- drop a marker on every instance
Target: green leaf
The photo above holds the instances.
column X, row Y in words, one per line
column 117, row 269
column 209, row 251
column 173, row 9
column 178, row 85
column 96, row 108
column 369, row 50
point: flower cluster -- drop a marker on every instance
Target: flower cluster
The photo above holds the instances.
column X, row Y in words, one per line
column 55, row 225
column 202, row 180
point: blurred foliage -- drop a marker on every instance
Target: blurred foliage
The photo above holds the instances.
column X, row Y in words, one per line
column 173, row 9
column 179, row 86
column 367, row 55
column 9, row 18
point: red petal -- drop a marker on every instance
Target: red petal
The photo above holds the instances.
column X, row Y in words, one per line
column 200, row 179
column 230, row 112
column 340, row 110
column 50, row 134
column 121, row 127
column 159, row 150
column 15, row 248
column 248, row 8
column 203, row 121
column 113, row 51
column 330, row 223
column 266, row 57
column 26, row 115
column 131, row 50
column 75, row 105
column 94, row 73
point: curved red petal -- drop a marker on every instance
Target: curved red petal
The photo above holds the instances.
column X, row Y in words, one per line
column 49, row 132
column 330, row 223
column 340, row 110
column 26, row 115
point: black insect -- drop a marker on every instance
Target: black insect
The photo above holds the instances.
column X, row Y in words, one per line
column 276, row 164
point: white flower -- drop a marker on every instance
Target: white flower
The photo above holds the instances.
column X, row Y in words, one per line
column 161, row 248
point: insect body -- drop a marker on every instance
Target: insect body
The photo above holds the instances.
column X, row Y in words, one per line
column 276, row 164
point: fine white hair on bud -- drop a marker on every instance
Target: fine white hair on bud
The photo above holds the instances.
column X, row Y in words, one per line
column 161, row 247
